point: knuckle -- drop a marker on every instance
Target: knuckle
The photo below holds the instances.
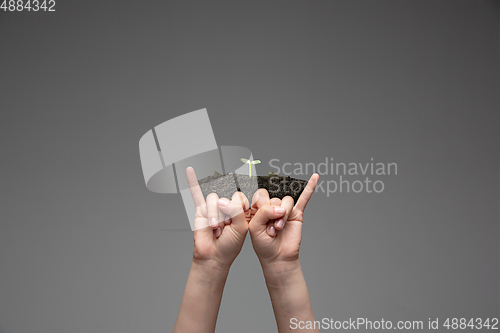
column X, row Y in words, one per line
column 263, row 191
column 237, row 198
column 276, row 201
column 236, row 208
column 231, row 207
column 268, row 209
column 212, row 196
column 200, row 211
column 237, row 195
column 241, row 199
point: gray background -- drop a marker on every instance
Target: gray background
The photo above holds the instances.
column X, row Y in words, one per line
column 83, row 245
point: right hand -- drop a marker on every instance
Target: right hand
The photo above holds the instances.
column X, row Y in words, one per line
column 220, row 225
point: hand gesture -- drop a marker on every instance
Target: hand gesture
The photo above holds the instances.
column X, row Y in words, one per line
column 220, row 224
column 278, row 239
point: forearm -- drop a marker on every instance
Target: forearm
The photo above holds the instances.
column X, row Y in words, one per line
column 201, row 299
column 289, row 295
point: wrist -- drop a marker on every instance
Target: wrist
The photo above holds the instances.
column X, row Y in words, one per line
column 211, row 265
column 282, row 273
column 288, row 291
column 209, row 272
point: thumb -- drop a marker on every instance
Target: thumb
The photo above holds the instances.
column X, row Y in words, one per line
column 263, row 215
column 237, row 209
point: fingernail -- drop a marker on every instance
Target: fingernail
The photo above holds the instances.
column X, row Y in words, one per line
column 223, row 202
column 280, row 224
column 272, row 231
column 227, row 220
column 279, row 210
column 213, row 222
column 218, row 231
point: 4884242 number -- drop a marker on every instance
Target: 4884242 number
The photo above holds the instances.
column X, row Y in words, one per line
column 28, row 5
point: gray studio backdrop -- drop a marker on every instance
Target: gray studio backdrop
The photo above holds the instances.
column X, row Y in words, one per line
column 85, row 247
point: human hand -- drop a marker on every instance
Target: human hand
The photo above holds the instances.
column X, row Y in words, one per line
column 278, row 240
column 220, row 225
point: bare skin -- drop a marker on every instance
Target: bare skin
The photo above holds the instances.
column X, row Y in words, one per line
column 277, row 245
column 220, row 229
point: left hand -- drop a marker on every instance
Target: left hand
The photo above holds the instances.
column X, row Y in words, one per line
column 278, row 240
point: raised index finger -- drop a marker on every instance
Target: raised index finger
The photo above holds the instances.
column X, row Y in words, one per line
column 307, row 193
column 194, row 187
